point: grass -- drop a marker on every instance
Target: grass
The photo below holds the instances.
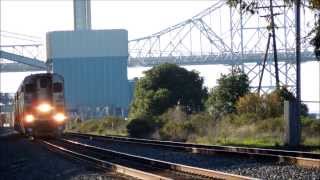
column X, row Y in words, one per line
column 103, row 126
column 243, row 130
column 268, row 133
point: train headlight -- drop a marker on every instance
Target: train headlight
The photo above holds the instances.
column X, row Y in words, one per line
column 44, row 108
column 29, row 118
column 59, row 117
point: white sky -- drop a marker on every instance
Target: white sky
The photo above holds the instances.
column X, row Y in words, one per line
column 140, row 18
column 36, row 17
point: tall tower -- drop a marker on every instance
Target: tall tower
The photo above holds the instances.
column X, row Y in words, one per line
column 82, row 14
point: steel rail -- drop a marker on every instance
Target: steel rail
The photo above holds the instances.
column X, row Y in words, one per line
column 162, row 165
column 304, row 159
column 104, row 164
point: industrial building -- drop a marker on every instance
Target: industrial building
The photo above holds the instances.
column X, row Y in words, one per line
column 94, row 66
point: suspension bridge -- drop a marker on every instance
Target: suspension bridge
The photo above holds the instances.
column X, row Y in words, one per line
column 218, row 35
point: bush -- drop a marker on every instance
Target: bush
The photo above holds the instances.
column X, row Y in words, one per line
column 177, row 125
column 268, row 105
column 175, row 131
column 252, row 103
column 310, row 126
column 89, row 126
column 272, row 126
column 201, row 123
column 243, row 119
column 174, row 124
column 273, row 105
column 142, row 127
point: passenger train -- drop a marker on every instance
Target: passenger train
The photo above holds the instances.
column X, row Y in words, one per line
column 39, row 105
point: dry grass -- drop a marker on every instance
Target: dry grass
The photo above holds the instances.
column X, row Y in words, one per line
column 104, row 126
column 258, row 133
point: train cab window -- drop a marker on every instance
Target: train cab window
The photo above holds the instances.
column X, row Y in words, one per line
column 30, row 88
column 57, row 87
column 43, row 83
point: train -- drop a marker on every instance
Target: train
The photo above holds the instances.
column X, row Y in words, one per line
column 39, row 106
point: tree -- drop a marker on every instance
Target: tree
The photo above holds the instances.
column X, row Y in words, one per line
column 315, row 41
column 165, row 86
column 222, row 99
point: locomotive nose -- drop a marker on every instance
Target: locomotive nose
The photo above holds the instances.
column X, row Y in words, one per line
column 44, row 107
column 59, row 117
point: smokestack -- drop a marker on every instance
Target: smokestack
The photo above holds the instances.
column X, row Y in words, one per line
column 82, row 15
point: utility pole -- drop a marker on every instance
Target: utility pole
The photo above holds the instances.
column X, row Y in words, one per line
column 264, row 63
column 275, row 56
column 298, row 62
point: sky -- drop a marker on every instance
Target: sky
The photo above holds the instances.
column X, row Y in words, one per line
column 140, row 18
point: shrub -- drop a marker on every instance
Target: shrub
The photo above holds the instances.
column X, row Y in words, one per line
column 271, row 125
column 243, row 119
column 201, row 123
column 310, row 126
column 252, row 103
column 142, row 127
column 174, row 124
column 273, row 104
column 112, row 125
column 177, row 125
column 174, row 131
column 89, row 126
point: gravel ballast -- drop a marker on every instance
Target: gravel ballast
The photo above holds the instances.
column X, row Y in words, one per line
column 243, row 166
column 21, row 158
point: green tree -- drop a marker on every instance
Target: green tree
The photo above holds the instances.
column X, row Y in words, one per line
column 165, row 86
column 250, row 6
column 222, row 99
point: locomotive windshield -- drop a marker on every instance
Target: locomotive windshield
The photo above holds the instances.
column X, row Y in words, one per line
column 30, row 88
column 57, row 87
column 43, row 83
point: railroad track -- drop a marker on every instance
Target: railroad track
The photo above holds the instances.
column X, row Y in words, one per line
column 132, row 165
column 303, row 159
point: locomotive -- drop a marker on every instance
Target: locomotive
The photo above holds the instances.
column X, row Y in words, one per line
column 39, row 105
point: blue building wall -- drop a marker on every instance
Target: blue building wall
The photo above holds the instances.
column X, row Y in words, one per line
column 94, row 67
column 94, row 82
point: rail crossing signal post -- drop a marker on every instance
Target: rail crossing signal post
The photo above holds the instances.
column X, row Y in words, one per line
column 292, row 108
column 0, row 87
